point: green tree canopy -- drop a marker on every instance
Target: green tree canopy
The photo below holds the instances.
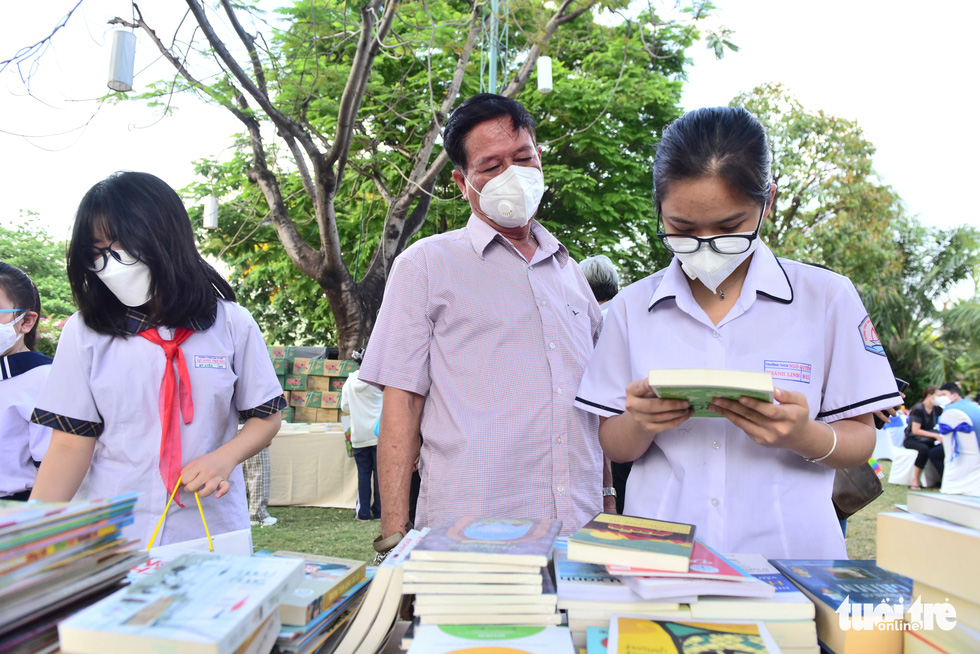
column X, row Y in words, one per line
column 32, row 249
column 615, row 88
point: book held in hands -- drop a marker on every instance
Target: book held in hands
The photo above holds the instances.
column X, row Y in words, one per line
column 699, row 386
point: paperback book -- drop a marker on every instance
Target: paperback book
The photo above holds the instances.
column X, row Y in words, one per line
column 325, row 579
column 786, row 603
column 610, row 539
column 197, row 604
column 700, row 386
column 840, row 591
column 433, row 639
column 628, row 635
column 513, row 541
column 960, row 509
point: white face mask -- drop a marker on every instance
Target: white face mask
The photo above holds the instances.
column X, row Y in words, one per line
column 512, row 197
column 9, row 336
column 711, row 267
column 130, row 283
column 942, row 401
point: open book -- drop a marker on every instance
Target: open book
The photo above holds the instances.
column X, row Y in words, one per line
column 700, row 386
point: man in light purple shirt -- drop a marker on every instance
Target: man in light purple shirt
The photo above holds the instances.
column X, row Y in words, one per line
column 480, row 345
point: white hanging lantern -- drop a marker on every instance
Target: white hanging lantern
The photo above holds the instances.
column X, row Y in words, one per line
column 122, row 60
column 544, row 75
column 211, row 212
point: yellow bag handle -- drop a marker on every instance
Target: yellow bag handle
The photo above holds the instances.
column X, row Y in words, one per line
column 167, row 508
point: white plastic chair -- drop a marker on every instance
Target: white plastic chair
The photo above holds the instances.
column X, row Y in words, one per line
column 961, row 475
column 903, row 462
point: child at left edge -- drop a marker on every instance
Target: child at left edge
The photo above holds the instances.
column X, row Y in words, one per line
column 151, row 374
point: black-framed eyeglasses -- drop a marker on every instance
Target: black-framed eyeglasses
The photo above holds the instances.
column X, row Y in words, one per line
column 722, row 244
column 98, row 258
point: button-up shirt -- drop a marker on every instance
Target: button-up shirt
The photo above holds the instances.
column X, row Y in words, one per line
column 803, row 324
column 497, row 345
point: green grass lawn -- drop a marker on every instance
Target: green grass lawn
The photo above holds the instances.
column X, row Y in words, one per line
column 334, row 532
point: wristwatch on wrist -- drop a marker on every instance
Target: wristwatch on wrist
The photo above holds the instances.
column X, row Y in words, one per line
column 608, row 490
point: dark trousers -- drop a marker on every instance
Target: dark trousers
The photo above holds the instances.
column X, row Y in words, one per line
column 366, row 459
column 18, row 497
column 927, row 451
column 620, row 473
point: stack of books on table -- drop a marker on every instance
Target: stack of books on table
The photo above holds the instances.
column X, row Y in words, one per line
column 56, row 559
column 323, row 602
column 674, row 577
column 196, row 603
column 590, row 596
column 484, row 571
column 936, row 544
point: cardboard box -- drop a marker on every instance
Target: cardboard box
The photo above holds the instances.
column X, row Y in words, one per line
column 347, row 367
column 304, row 414
column 287, row 414
column 336, row 383
column 315, row 383
column 279, row 365
column 329, row 400
column 328, row 415
column 294, row 383
column 282, row 351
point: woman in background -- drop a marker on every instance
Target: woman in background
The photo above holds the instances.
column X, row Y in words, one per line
column 921, row 435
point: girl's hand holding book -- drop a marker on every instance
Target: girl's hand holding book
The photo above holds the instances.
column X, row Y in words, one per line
column 784, row 423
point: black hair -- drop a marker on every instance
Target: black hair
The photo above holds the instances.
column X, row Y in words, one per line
column 725, row 142
column 475, row 110
column 952, row 387
column 20, row 290
column 148, row 220
column 602, row 277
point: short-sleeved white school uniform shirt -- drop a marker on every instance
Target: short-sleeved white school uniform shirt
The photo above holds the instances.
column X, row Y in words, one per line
column 806, row 326
column 21, row 442
column 108, row 387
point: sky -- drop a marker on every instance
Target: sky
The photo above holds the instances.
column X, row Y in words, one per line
column 905, row 71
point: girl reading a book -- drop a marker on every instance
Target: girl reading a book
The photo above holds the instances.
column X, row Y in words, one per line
column 154, row 370
column 22, row 374
column 758, row 476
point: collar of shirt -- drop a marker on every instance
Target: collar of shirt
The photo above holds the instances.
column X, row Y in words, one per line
column 20, row 362
column 138, row 321
column 482, row 235
column 765, row 277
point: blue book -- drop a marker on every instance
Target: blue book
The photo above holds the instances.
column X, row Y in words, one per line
column 845, row 593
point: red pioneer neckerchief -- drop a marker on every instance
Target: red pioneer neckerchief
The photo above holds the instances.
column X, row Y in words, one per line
column 170, row 457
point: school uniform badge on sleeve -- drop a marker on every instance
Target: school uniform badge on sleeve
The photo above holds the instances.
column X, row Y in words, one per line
column 870, row 337
column 210, row 361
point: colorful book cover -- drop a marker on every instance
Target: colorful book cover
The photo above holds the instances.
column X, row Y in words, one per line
column 210, row 602
column 634, row 635
column 833, row 581
column 787, row 603
column 699, row 386
column 596, row 640
column 628, row 540
column 446, row 639
column 706, row 563
column 523, row 541
column 325, row 579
